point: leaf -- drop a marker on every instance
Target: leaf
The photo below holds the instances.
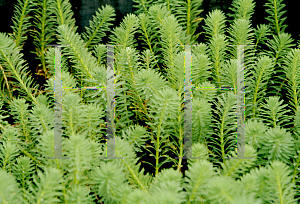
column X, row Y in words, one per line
column 100, row 23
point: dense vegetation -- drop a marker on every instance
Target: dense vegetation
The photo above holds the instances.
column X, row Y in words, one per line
column 149, row 115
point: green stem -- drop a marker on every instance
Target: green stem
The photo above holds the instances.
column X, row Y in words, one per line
column 6, row 83
column 148, row 42
column 188, row 17
column 276, row 18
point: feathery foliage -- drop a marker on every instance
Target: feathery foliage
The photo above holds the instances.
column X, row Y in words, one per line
column 64, row 13
column 276, row 12
column 150, row 118
column 14, row 67
column 100, row 23
column 242, row 9
column 21, row 21
column 44, row 23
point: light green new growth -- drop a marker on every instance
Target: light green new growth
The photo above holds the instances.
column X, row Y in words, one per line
column 150, row 114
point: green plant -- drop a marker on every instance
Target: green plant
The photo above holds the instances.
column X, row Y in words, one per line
column 149, row 107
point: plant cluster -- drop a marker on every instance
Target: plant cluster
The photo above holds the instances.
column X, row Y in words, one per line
column 149, row 107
